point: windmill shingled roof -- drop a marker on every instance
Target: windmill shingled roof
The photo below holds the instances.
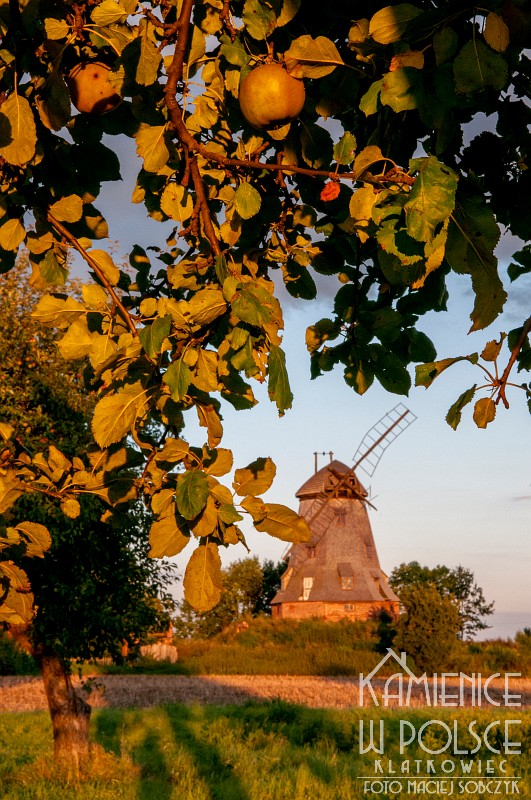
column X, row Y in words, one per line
column 318, row 481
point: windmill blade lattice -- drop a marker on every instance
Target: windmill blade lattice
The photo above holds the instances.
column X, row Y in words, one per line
column 380, row 436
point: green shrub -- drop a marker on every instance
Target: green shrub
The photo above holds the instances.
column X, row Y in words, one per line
column 13, row 660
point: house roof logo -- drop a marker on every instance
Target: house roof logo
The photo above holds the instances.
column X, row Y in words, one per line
column 365, row 681
column 451, row 689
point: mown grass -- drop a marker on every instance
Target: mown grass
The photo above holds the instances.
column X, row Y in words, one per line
column 254, row 752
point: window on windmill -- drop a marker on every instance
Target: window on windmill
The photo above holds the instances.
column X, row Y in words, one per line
column 346, row 575
column 311, row 551
column 341, row 516
column 369, row 550
column 307, row 584
column 349, row 607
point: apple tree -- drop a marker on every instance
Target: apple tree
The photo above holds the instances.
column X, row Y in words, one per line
column 363, row 152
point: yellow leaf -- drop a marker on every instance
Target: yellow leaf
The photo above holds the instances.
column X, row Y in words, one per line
column 202, row 579
column 107, row 266
column 496, row 33
column 166, row 538
column 256, row 478
column 484, row 411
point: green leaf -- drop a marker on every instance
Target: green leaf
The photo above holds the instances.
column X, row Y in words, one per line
column 432, row 197
column 256, row 478
column 53, row 269
column 247, row 200
column 453, row 418
column 317, row 146
column 53, row 102
column 151, row 145
column 235, row 53
column 389, row 370
column 152, row 336
column 192, row 493
column 312, row 58
column 255, row 305
column 390, row 23
column 259, row 20
column 176, row 202
column 18, row 134
column 345, row 149
column 37, row 537
column 484, row 411
column 523, row 265
column 56, row 28
column 202, row 579
column 420, row 347
column 68, row 209
column 445, row 44
column 108, row 12
column 12, row 234
column 115, row 415
column 178, row 377
column 426, row 373
column 283, row 523
column 107, row 266
column 366, row 158
column 477, row 67
column 401, row 90
column 473, row 234
column 370, row 101
column 150, row 58
column 278, row 387
column 166, row 538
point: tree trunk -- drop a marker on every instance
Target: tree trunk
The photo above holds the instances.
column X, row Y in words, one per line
column 69, row 712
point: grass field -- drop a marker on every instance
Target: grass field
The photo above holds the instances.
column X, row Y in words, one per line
column 268, row 751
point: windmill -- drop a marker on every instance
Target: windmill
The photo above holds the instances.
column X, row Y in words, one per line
column 337, row 572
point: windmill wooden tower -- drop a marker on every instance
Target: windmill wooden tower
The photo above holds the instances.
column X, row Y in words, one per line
column 337, row 573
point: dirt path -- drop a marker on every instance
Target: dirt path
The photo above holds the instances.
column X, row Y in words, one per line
column 27, row 694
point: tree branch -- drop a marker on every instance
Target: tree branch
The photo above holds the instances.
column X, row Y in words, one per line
column 71, row 239
column 514, row 355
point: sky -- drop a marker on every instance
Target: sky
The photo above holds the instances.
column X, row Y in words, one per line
column 442, row 496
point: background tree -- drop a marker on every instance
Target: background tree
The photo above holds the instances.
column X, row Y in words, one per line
column 272, row 574
column 457, row 583
column 85, row 607
column 427, row 629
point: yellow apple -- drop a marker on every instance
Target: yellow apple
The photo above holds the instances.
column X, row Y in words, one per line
column 90, row 89
column 270, row 96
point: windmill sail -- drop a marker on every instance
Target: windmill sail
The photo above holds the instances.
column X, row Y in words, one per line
column 380, row 436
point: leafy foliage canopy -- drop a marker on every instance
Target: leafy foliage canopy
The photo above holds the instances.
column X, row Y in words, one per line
column 374, row 181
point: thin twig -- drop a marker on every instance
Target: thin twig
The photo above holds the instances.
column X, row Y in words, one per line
column 514, row 355
column 71, row 239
